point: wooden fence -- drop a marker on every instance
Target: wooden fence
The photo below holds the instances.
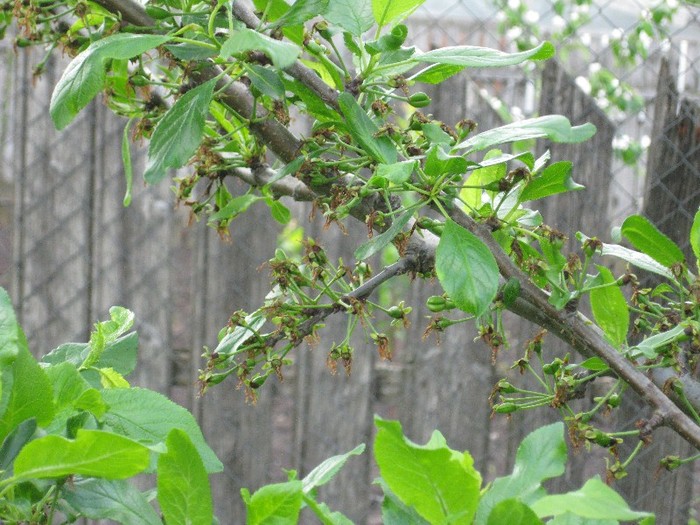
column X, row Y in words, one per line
column 71, row 251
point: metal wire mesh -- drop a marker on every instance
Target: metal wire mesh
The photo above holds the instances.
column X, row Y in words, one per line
column 69, row 250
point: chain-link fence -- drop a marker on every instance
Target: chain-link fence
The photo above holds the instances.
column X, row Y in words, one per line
column 68, row 250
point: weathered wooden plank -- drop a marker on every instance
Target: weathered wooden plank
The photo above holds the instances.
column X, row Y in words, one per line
column 672, row 198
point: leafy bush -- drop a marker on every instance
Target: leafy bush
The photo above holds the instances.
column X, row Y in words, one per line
column 74, row 433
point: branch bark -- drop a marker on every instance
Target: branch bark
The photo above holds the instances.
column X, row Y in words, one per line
column 573, row 328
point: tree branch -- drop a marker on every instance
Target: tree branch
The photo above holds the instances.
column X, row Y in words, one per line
column 532, row 304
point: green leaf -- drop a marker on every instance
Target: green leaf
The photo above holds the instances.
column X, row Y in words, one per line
column 595, row 500
column 594, row 363
column 233, row 340
column 126, row 161
column 512, row 512
column 282, row 54
column 9, row 331
column 466, row 269
column 395, row 512
column 265, row 80
column 378, row 242
column 437, row 162
column 610, row 309
column 311, row 102
column 183, row 485
column 555, row 178
column 439, row 483
column 646, row 238
column 396, row 173
column 324, row 514
column 393, row 11
column 278, row 503
column 279, row 211
column 475, row 56
column 110, row 378
column 302, row 11
column 234, row 207
column 92, row 453
column 540, row 456
column 651, row 345
column 363, row 130
column 638, row 259
column 26, row 390
column 481, row 177
column 695, row 238
column 178, row 133
column 355, row 16
column 68, row 385
column 149, row 417
column 436, row 73
column 324, row 472
column 553, row 127
column 110, row 499
column 14, row 442
column 85, row 75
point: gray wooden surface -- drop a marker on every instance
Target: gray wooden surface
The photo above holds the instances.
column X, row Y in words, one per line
column 75, row 251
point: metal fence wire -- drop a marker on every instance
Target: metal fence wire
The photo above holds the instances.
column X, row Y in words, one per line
column 68, row 250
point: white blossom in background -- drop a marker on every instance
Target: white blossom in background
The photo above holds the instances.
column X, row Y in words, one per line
column 532, row 17
column 584, row 85
column 645, row 141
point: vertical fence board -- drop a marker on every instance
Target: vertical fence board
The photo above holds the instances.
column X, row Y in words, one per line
column 672, row 198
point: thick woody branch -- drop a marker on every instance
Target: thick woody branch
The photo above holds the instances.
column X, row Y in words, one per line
column 573, row 328
column 582, row 335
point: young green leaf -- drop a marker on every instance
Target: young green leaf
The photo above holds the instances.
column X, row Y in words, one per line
column 279, row 211
column 471, row 195
column 378, row 242
column 646, row 238
column 324, row 514
column 540, row 456
column 126, row 161
column 282, row 54
column 235, row 207
column 14, row 442
column 695, row 238
column 466, row 269
column 178, row 133
column 396, row 173
column 9, row 331
column 265, row 80
column 110, row 499
column 475, row 56
column 26, row 390
column 363, row 130
column 354, row 16
column 438, row 162
column 302, row 11
column 553, row 127
column 395, row 512
column 638, row 259
column 595, row 500
column 610, row 309
column 148, row 417
column 276, row 503
column 393, row 11
column 555, row 178
column 512, row 512
column 436, row 73
column 183, row 485
column 92, row 453
column 324, row 472
column 441, row 484
column 85, row 75
column 650, row 347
